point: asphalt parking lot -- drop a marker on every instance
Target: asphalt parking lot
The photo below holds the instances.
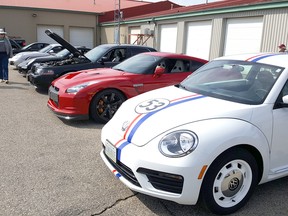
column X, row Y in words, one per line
column 51, row 167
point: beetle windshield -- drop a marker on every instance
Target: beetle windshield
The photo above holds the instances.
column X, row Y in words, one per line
column 238, row 81
column 139, row 64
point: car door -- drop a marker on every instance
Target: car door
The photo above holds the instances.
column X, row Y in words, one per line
column 279, row 150
column 175, row 70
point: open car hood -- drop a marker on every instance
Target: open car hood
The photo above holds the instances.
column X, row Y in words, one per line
column 64, row 43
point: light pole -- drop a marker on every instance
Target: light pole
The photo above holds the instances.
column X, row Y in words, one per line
column 117, row 17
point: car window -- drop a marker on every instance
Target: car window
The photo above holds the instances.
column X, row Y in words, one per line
column 40, row 46
column 139, row 64
column 34, row 47
column 195, row 65
column 116, row 55
column 181, row 66
column 97, row 53
column 45, row 49
column 57, row 49
column 14, row 44
column 284, row 92
column 63, row 52
column 137, row 50
column 239, row 81
column 175, row 65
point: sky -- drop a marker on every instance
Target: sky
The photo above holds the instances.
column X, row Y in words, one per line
column 186, row 2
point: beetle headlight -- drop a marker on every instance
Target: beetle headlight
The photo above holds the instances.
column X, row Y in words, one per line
column 178, row 143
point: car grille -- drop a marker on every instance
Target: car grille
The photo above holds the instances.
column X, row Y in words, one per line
column 33, row 69
column 125, row 171
column 164, row 181
column 53, row 94
column 160, row 180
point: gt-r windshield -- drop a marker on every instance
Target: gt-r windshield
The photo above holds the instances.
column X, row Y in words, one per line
column 238, row 81
column 139, row 64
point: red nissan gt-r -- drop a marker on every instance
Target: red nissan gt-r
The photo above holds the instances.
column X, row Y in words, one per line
column 98, row 93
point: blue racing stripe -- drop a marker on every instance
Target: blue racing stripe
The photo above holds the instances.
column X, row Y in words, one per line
column 120, row 149
column 154, row 112
column 262, row 57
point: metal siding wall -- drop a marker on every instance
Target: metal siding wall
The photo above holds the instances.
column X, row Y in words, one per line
column 275, row 30
column 218, row 34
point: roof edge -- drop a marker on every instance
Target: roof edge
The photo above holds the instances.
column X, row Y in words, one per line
column 48, row 9
column 231, row 9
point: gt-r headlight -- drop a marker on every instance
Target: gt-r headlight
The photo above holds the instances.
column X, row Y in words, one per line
column 77, row 88
column 178, row 143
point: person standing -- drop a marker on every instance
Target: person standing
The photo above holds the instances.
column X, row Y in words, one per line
column 282, row 48
column 5, row 53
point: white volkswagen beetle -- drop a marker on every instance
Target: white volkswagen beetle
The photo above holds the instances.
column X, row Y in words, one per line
column 215, row 136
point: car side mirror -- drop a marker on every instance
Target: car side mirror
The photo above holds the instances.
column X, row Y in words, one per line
column 285, row 100
column 103, row 59
column 283, row 103
column 158, row 71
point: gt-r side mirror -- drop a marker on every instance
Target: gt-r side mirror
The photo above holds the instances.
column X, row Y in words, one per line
column 159, row 71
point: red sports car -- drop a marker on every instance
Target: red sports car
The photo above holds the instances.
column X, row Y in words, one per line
column 98, row 93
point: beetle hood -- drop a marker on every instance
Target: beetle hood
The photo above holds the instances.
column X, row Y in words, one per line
column 153, row 115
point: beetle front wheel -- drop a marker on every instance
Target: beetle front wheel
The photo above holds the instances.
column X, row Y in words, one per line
column 230, row 181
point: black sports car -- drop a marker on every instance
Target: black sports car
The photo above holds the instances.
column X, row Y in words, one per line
column 25, row 66
column 105, row 55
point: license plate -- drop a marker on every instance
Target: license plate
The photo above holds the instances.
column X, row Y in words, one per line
column 53, row 96
column 110, row 151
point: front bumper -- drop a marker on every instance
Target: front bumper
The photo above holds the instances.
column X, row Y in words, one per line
column 61, row 111
column 11, row 62
column 42, row 81
column 155, row 175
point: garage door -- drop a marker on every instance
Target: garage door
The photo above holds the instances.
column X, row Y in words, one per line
column 82, row 37
column 243, row 35
column 42, row 37
column 168, row 38
column 198, row 39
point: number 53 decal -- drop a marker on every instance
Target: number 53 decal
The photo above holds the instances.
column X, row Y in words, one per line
column 151, row 105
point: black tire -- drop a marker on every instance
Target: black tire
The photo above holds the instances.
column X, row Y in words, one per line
column 105, row 104
column 230, row 181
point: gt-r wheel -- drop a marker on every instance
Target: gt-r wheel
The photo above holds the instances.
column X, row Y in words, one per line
column 230, row 181
column 105, row 104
